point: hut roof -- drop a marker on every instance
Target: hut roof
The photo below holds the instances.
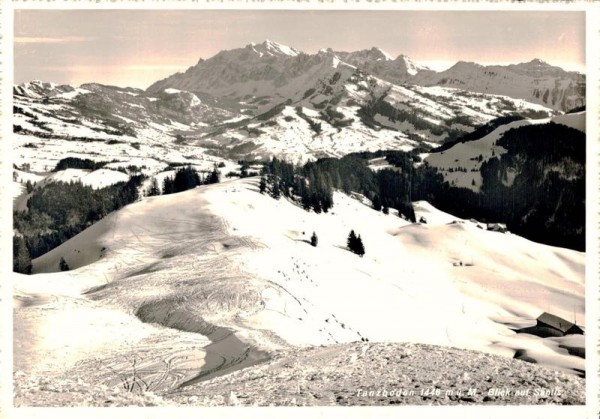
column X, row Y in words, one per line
column 555, row 322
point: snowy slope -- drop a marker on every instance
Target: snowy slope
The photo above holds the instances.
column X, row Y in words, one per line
column 232, row 257
column 122, row 127
column 357, row 112
column 96, row 179
column 384, row 374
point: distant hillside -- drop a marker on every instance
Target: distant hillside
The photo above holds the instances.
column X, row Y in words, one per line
column 530, row 176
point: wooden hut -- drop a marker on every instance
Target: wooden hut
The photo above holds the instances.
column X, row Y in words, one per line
column 559, row 324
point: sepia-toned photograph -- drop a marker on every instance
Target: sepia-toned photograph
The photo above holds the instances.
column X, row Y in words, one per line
column 253, row 207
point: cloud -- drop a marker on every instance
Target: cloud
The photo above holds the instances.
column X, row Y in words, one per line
column 48, row 40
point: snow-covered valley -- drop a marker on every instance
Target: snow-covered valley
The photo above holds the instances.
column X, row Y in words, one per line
column 151, row 281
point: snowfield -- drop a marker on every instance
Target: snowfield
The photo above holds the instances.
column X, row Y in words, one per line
column 184, row 287
column 364, row 374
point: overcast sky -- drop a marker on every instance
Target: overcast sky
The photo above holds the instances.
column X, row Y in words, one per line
column 135, row 47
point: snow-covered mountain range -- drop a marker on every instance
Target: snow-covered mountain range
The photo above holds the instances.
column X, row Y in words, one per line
column 535, row 81
column 271, row 69
column 268, row 99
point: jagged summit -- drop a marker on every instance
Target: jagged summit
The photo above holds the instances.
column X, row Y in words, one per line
column 537, row 61
column 271, row 48
column 537, row 64
column 540, row 68
column 460, row 65
column 374, row 54
column 409, row 65
column 378, row 54
column 38, row 88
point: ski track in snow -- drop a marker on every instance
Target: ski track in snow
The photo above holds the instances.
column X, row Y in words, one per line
column 226, row 257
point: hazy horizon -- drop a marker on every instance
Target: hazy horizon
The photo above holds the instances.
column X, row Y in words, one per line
column 138, row 47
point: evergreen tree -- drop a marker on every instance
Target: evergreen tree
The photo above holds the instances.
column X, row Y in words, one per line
column 355, row 244
column 186, row 178
column 351, row 241
column 214, row 177
column 314, row 240
column 304, row 195
column 360, row 248
column 376, row 203
column 168, row 185
column 386, row 210
column 315, row 203
column 62, row 264
column 263, row 185
column 154, row 190
column 411, row 214
column 276, row 192
column 21, row 257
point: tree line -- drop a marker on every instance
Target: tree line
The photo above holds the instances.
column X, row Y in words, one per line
column 312, row 184
column 185, row 178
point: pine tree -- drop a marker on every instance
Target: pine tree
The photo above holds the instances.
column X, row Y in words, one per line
column 263, row 185
column 355, row 244
column 316, row 202
column 214, row 177
column 386, row 210
column 154, row 190
column 376, row 203
column 314, row 240
column 351, row 241
column 276, row 192
column 186, row 178
column 360, row 248
column 62, row 264
column 21, row 256
column 168, row 185
column 411, row 214
column 304, row 195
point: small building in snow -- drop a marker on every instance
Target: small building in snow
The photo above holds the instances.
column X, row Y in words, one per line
column 559, row 324
column 500, row 228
